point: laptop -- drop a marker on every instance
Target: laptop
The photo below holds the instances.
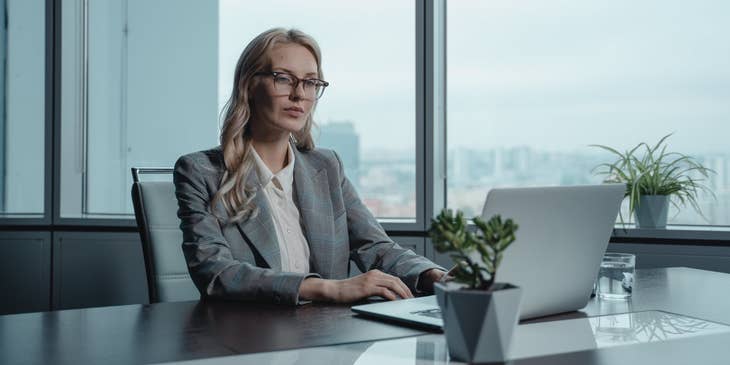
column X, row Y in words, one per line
column 562, row 236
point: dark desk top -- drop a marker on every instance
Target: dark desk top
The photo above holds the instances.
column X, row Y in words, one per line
column 190, row 330
column 177, row 331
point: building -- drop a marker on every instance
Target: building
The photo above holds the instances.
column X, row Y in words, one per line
column 342, row 137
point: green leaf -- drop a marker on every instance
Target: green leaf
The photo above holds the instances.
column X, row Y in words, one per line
column 450, row 234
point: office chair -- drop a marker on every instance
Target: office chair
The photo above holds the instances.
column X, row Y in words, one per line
column 155, row 208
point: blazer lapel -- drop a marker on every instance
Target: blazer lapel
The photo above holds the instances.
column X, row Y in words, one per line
column 315, row 209
column 260, row 229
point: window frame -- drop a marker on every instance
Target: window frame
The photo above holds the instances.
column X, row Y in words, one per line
column 23, row 221
column 674, row 234
column 114, row 222
column 430, row 133
column 421, row 123
column 416, row 224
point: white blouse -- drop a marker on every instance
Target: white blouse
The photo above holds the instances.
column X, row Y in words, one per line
column 278, row 189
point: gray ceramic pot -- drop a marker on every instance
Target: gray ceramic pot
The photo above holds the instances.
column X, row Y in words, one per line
column 479, row 324
column 652, row 211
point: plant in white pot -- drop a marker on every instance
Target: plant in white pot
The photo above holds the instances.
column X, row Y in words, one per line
column 654, row 179
column 479, row 314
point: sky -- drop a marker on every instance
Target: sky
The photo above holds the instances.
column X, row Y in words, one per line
column 368, row 53
column 555, row 75
column 563, row 74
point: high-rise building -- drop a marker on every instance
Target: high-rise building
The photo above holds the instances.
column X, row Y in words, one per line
column 342, row 137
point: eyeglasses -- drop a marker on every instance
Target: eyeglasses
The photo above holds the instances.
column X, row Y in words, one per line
column 286, row 83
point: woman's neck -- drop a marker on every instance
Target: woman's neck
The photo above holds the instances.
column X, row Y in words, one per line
column 274, row 153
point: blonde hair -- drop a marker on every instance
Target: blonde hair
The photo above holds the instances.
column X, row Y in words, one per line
column 235, row 139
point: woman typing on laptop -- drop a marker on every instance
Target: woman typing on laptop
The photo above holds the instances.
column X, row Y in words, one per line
column 267, row 216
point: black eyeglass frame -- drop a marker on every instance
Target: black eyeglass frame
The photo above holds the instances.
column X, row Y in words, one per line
column 322, row 84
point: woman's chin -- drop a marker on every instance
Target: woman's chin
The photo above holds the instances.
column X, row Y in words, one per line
column 293, row 125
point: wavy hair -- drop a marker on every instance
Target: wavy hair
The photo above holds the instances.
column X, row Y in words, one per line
column 235, row 139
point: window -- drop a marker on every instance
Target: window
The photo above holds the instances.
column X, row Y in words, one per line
column 532, row 83
column 367, row 114
column 145, row 83
column 140, row 90
column 22, row 108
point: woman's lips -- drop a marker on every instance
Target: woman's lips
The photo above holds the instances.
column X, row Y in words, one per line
column 294, row 112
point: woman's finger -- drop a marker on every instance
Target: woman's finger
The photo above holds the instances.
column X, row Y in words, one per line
column 395, row 285
column 403, row 286
column 386, row 293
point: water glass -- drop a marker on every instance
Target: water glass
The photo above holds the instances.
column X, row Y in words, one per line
column 616, row 276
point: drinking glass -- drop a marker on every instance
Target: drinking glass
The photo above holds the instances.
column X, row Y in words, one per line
column 616, row 276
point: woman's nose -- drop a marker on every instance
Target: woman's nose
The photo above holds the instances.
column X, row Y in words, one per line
column 297, row 92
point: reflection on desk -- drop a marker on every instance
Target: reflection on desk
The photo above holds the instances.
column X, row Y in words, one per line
column 331, row 334
column 649, row 326
column 531, row 340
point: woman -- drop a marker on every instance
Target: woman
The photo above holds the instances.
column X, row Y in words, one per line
column 268, row 217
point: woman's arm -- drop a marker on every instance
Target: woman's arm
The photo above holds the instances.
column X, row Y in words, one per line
column 371, row 248
column 371, row 283
column 211, row 264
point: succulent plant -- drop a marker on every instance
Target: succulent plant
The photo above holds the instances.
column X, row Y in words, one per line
column 476, row 253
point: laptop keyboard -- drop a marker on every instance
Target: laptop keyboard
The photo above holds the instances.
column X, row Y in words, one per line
column 434, row 313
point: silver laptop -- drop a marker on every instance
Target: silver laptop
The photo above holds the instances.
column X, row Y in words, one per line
column 562, row 236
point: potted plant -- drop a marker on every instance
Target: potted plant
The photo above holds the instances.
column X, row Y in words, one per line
column 655, row 178
column 479, row 314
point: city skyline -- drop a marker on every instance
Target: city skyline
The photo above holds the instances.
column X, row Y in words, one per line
column 387, row 177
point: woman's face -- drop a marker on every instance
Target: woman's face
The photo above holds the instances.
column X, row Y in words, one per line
column 277, row 110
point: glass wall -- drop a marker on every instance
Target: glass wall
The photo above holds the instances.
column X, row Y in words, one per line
column 22, row 108
column 532, row 83
column 145, row 83
column 367, row 114
column 140, row 89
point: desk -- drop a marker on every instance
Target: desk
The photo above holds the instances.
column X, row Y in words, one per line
column 179, row 331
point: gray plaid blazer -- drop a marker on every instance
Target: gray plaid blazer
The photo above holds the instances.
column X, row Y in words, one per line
column 242, row 261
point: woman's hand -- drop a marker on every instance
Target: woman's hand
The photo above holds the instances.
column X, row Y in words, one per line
column 371, row 283
column 428, row 277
